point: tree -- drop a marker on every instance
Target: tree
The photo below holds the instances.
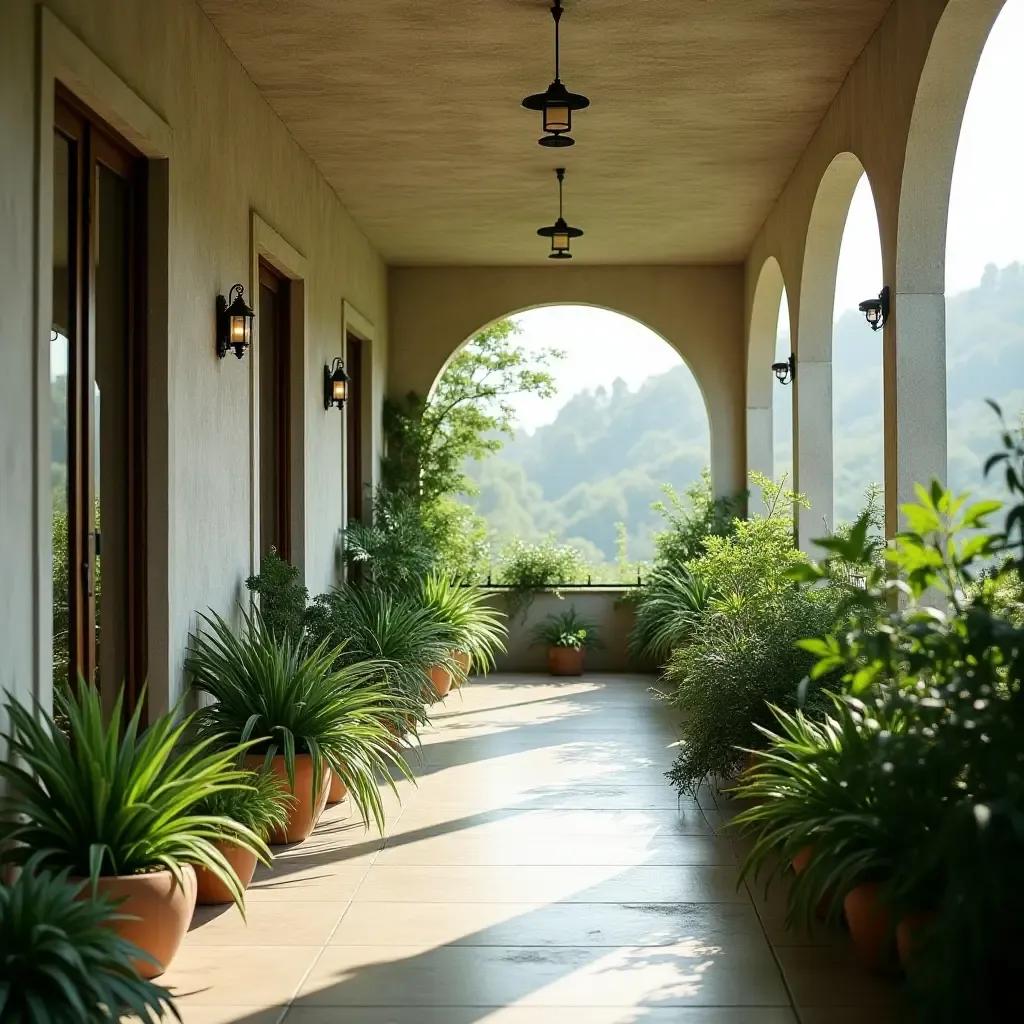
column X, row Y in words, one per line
column 430, row 439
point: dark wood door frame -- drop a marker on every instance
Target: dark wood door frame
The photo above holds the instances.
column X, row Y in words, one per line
column 93, row 143
column 354, row 498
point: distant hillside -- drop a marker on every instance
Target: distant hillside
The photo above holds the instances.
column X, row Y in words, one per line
column 604, row 458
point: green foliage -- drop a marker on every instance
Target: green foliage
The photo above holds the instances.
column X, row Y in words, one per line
column 669, row 610
column 429, row 440
column 106, row 800
column 936, row 699
column 529, row 568
column 393, row 632
column 261, row 807
column 282, row 596
column 458, row 537
column 567, row 629
column 61, row 962
column 691, row 521
column 476, row 628
column 293, row 702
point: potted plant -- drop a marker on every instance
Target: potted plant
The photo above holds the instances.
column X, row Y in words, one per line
column 312, row 715
column 115, row 806
column 567, row 638
column 477, row 630
column 262, row 806
column 62, row 960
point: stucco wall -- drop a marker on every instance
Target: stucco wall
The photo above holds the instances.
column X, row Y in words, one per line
column 613, row 616
column 697, row 310
column 229, row 155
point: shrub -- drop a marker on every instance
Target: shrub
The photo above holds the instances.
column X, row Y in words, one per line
column 528, row 568
column 282, row 596
column 669, row 610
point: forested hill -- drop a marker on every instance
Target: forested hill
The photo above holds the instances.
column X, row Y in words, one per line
column 605, row 457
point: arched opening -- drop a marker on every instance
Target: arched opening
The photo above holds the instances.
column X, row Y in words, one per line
column 782, row 400
column 857, row 364
column 814, row 453
column 585, row 464
column 984, row 260
column 762, row 397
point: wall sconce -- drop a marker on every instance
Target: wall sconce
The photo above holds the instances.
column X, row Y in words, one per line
column 234, row 322
column 335, row 385
column 876, row 311
column 785, row 372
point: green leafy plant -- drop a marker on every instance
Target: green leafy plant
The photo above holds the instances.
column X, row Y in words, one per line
column 392, row 631
column 62, row 963
column 668, row 612
column 298, row 702
column 108, row 800
column 528, row 568
column 282, row 597
column 567, row 629
column 476, row 628
column 262, row 806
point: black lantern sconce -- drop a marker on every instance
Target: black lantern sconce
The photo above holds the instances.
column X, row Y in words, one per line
column 234, row 322
column 335, row 385
column 556, row 103
column 785, row 373
column 560, row 233
column 876, row 311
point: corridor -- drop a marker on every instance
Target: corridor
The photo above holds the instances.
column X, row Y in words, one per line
column 542, row 871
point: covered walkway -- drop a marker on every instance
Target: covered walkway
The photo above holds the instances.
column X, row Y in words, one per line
column 542, row 871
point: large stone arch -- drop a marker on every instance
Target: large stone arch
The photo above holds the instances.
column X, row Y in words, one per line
column 813, row 455
column 761, row 341
column 698, row 311
column 915, row 409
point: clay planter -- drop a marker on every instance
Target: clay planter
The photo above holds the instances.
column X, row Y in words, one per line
column 307, row 808
column 211, row 889
column 800, row 861
column 908, row 934
column 440, row 683
column 870, row 923
column 465, row 663
column 338, row 790
column 161, row 912
column 566, row 661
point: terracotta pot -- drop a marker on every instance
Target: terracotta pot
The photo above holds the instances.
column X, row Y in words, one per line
column 802, row 858
column 307, row 807
column 161, row 911
column 870, row 923
column 565, row 661
column 338, row 790
column 800, row 861
column 440, row 683
column 211, row 889
column 465, row 663
column 908, row 934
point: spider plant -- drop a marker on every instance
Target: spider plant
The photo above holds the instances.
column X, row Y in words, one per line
column 62, row 963
column 668, row 611
column 566, row 630
column 393, row 631
column 476, row 628
column 300, row 702
column 261, row 807
column 106, row 800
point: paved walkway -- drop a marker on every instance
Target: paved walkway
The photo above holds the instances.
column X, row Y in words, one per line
column 542, row 872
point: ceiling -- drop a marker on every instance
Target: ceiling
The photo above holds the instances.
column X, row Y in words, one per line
column 411, row 110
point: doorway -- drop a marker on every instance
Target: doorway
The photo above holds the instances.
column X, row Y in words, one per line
column 98, row 418
column 274, row 340
column 354, row 503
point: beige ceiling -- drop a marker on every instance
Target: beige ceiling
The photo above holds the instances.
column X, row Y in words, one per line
column 411, row 110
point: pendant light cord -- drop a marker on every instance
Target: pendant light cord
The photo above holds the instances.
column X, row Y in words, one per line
column 556, row 13
column 561, row 176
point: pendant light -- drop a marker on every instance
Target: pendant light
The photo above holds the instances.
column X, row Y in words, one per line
column 560, row 233
column 556, row 103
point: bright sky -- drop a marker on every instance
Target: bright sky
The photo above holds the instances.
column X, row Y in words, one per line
column 986, row 225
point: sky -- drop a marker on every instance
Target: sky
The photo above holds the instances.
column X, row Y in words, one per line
column 986, row 225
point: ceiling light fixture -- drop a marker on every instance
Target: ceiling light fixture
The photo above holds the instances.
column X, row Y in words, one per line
column 560, row 233
column 556, row 103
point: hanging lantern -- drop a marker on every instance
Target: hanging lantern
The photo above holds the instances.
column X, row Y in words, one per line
column 234, row 322
column 556, row 103
column 876, row 311
column 560, row 232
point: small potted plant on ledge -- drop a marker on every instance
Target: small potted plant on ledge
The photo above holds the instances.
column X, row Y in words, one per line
column 567, row 638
